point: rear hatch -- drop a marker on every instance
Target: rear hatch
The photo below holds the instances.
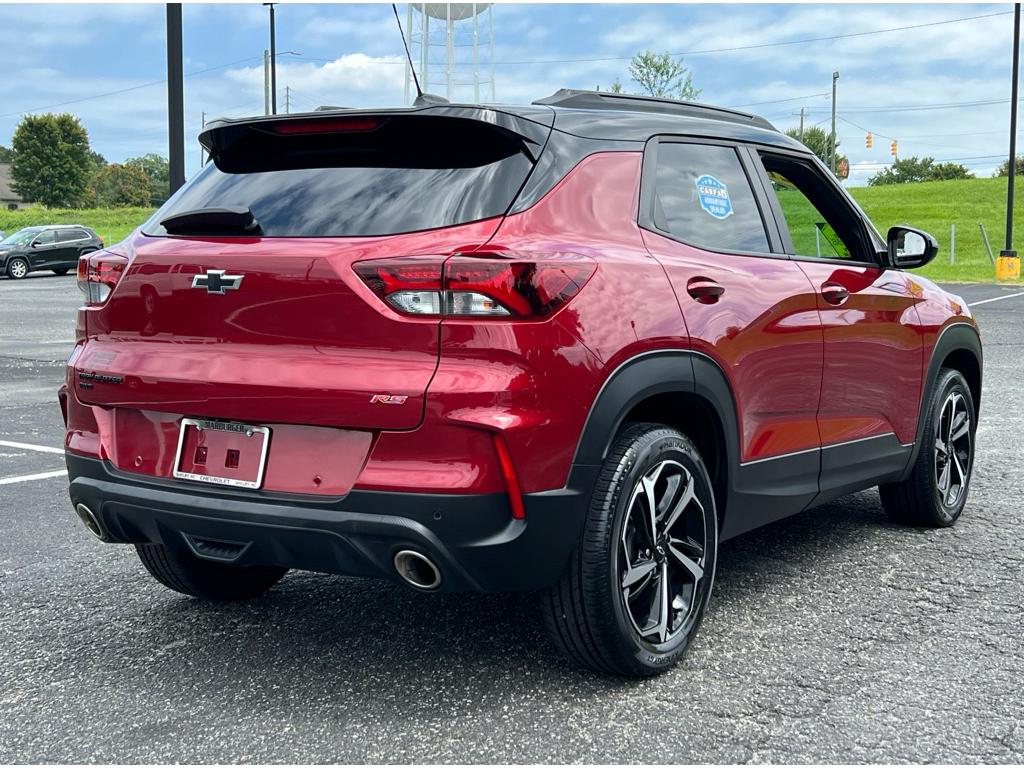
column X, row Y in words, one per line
column 254, row 312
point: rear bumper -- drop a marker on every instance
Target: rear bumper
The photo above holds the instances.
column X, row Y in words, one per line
column 472, row 538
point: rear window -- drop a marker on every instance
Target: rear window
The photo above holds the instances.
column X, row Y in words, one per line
column 403, row 175
column 703, row 197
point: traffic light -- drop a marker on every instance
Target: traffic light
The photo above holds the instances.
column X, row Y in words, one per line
column 892, row 148
column 867, row 140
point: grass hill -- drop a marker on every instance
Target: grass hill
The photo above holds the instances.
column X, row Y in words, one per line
column 934, row 205
column 931, row 206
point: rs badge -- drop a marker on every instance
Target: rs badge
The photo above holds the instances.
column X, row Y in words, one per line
column 389, row 399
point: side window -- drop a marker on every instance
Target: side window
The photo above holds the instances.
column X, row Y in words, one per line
column 702, row 196
column 67, row 235
column 819, row 221
column 46, row 237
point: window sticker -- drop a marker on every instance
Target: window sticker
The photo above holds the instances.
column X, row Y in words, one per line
column 713, row 196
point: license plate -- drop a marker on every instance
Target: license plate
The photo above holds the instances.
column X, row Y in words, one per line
column 222, row 452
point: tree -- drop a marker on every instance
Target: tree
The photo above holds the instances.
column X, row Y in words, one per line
column 157, row 171
column 913, row 169
column 944, row 171
column 658, row 74
column 6, row 155
column 119, row 185
column 1004, row 169
column 817, row 140
column 51, row 160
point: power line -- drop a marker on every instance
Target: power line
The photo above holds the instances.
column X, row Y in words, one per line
column 136, row 87
column 730, row 49
column 922, row 107
column 778, row 101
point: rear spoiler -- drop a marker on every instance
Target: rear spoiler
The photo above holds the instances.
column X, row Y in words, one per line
column 221, row 136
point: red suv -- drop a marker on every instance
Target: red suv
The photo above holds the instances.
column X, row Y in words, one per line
column 567, row 347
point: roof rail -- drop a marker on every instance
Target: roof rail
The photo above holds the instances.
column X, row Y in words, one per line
column 577, row 99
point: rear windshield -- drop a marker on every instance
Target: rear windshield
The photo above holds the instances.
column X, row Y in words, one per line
column 406, row 174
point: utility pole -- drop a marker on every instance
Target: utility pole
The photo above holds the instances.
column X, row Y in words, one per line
column 175, row 100
column 273, row 60
column 832, row 141
column 287, row 99
column 801, row 124
column 1008, row 256
column 266, row 82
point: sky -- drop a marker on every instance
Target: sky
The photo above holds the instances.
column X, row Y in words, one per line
column 941, row 90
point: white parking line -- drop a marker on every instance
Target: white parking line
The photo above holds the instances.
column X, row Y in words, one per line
column 30, row 447
column 26, row 478
column 997, row 298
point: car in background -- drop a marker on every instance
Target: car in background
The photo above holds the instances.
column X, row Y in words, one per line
column 55, row 247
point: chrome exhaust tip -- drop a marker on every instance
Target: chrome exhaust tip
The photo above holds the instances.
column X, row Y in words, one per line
column 417, row 569
column 90, row 521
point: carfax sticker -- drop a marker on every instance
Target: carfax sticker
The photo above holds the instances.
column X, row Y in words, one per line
column 713, row 196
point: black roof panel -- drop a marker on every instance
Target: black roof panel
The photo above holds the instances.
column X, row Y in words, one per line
column 588, row 114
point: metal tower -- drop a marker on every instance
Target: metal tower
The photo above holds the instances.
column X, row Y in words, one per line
column 453, row 47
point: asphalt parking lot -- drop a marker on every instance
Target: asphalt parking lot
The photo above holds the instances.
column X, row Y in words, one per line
column 834, row 636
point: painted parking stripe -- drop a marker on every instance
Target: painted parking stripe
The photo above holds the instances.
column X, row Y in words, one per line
column 38, row 476
column 997, row 298
column 30, row 447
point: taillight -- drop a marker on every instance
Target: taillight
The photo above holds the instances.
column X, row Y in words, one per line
column 497, row 285
column 98, row 273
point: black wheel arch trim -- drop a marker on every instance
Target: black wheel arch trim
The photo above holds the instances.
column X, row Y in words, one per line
column 956, row 336
column 686, row 371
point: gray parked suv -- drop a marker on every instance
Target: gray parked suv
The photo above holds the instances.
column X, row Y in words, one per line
column 56, row 248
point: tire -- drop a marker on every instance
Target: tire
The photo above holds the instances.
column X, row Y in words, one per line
column 601, row 613
column 935, row 492
column 61, row 271
column 183, row 572
column 17, row 268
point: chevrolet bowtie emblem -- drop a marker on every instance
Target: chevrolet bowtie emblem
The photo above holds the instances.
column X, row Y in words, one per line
column 215, row 281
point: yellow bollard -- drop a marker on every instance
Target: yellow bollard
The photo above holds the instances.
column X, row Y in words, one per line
column 1008, row 266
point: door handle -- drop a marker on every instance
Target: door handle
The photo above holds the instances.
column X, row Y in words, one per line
column 704, row 290
column 834, row 293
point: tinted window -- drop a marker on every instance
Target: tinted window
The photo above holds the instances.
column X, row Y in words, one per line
column 46, row 237
column 67, row 235
column 819, row 221
column 703, row 197
column 407, row 174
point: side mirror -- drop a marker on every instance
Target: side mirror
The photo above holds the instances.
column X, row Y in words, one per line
column 35, row 244
column 910, row 248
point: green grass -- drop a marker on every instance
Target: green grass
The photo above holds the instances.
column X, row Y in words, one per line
column 112, row 224
column 931, row 206
column 934, row 205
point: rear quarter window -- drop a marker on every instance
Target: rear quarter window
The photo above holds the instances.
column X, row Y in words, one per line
column 405, row 175
column 703, row 197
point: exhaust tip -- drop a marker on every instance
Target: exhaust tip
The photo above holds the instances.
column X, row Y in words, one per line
column 90, row 521
column 417, row 569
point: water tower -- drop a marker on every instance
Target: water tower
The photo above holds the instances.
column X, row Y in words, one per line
column 453, row 47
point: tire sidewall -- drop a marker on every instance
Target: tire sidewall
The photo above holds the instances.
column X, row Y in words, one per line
column 949, row 382
column 647, row 451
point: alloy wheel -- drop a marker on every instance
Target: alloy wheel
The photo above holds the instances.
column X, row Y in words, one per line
column 662, row 553
column 18, row 269
column 952, row 449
